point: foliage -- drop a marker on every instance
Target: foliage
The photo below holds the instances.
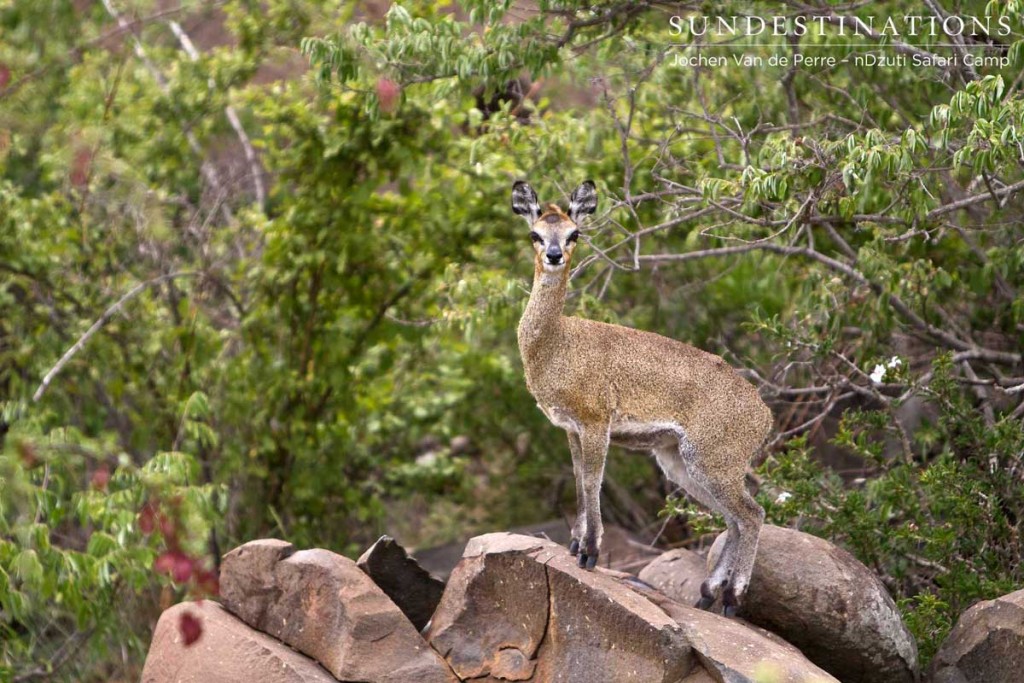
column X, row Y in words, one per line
column 287, row 256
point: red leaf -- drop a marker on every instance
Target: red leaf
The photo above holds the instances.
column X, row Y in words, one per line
column 182, row 571
column 164, row 564
column 387, row 94
column 100, row 478
column 147, row 519
column 80, row 168
column 176, row 563
column 207, row 582
column 191, row 629
column 168, row 528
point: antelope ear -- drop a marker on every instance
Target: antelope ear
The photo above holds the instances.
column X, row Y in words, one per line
column 583, row 201
column 524, row 201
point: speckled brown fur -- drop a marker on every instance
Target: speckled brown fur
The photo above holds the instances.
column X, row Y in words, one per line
column 611, row 384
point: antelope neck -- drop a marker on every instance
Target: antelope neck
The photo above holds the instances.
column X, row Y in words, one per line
column 543, row 315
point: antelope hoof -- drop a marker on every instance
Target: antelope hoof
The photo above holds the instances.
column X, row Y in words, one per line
column 588, row 562
column 574, row 547
column 707, row 596
column 730, row 604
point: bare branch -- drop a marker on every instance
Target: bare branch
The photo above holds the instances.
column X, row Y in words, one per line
column 898, row 305
column 974, row 199
column 207, row 169
column 236, row 123
column 96, row 326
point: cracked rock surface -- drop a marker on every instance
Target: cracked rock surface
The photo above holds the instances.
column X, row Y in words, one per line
column 518, row 608
column 821, row 599
column 324, row 606
column 228, row 651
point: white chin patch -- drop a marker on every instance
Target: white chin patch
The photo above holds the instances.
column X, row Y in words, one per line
column 551, row 267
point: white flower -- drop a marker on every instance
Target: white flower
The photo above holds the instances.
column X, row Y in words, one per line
column 877, row 374
column 783, row 497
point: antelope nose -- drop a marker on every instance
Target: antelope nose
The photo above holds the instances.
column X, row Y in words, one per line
column 554, row 255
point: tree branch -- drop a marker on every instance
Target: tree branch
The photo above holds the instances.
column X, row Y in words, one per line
column 898, row 305
column 207, row 169
column 96, row 326
column 229, row 111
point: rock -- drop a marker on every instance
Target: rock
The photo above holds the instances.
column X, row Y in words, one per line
column 602, row 630
column 517, row 607
column 409, row 586
column 678, row 574
column 247, row 582
column 493, row 614
column 732, row 651
column 228, row 651
column 986, row 645
column 619, row 549
column 440, row 561
column 834, row 609
column 324, row 606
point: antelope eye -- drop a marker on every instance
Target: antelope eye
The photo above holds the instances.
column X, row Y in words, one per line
column 535, row 237
column 573, row 237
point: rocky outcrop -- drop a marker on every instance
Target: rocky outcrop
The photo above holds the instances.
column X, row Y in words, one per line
column 227, row 651
column 518, row 608
column 678, row 574
column 409, row 586
column 324, row 606
column 825, row 602
column 986, row 645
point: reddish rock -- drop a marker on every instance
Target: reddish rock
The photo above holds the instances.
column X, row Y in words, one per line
column 409, row 586
column 678, row 574
column 527, row 596
column 821, row 599
column 493, row 613
column 600, row 629
column 986, row 645
column 251, row 570
column 734, row 651
column 227, row 651
column 324, row 606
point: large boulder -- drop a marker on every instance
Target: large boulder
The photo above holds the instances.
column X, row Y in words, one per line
column 324, row 606
column 602, row 630
column 493, row 614
column 678, row 574
column 986, row 645
column 834, row 609
column 227, row 651
column 733, row 651
column 409, row 585
column 518, row 608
